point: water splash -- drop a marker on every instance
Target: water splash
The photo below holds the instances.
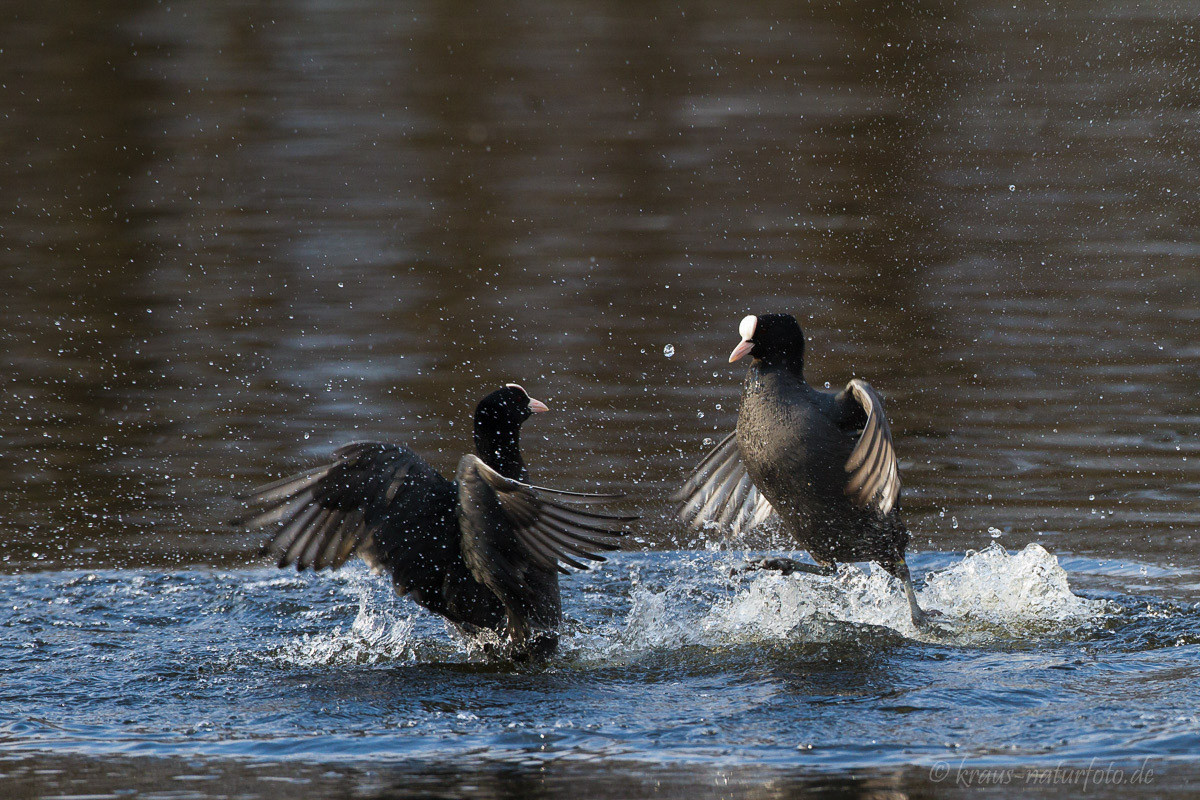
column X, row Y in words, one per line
column 377, row 635
column 691, row 600
column 1027, row 587
column 987, row 595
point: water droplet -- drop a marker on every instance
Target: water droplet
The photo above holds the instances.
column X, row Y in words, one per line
column 699, row 415
column 718, row 406
column 995, row 533
column 953, row 522
column 669, row 350
column 708, row 441
column 1012, row 187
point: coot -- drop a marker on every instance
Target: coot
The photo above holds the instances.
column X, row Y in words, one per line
column 821, row 461
column 484, row 551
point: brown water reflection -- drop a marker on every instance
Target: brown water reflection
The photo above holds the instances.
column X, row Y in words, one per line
column 239, row 235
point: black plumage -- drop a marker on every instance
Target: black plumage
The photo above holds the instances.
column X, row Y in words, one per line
column 484, row 551
column 821, row 461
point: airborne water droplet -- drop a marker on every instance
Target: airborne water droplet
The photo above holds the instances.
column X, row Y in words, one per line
column 669, row 350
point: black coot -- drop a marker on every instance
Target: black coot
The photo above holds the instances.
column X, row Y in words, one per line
column 484, row 550
column 820, row 460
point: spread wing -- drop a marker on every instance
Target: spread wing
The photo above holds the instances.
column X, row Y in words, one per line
column 874, row 480
column 516, row 538
column 546, row 527
column 382, row 501
column 720, row 491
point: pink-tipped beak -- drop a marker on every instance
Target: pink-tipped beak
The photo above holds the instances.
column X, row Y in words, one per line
column 742, row 349
column 537, row 406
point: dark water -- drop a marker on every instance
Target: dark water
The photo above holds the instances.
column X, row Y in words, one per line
column 239, row 235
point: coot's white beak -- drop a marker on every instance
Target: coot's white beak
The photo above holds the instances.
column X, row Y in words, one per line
column 746, row 331
column 742, row 349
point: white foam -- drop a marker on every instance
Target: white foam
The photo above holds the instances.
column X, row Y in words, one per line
column 370, row 640
column 376, row 636
column 986, row 594
column 1009, row 589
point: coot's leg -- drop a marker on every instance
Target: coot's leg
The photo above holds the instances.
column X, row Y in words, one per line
column 785, row 566
column 920, row 617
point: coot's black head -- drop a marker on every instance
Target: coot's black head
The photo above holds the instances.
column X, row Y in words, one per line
column 498, row 419
column 774, row 339
column 507, row 407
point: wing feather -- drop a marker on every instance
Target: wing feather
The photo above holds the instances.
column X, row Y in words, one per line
column 327, row 513
column 721, row 491
column 874, row 474
column 285, row 488
column 551, row 532
column 290, row 540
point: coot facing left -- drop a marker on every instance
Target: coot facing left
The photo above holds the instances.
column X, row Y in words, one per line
column 822, row 461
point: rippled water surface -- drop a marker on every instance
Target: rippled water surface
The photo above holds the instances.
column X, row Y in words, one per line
column 668, row 662
column 237, row 236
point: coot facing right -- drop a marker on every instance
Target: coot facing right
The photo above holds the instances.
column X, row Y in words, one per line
column 484, row 551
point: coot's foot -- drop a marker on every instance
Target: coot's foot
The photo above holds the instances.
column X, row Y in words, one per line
column 927, row 618
column 539, row 647
column 785, row 566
